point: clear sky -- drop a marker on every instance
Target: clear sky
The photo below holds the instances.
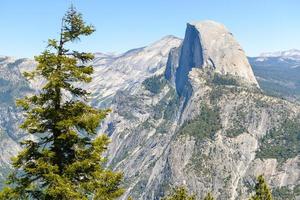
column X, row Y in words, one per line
column 259, row 25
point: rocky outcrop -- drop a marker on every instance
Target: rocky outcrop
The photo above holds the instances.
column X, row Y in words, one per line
column 191, row 55
column 216, row 140
column 209, row 44
column 112, row 73
column 172, row 64
column 157, row 150
column 161, row 140
column 127, row 70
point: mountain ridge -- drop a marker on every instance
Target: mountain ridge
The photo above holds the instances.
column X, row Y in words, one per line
column 225, row 135
column 207, row 44
column 291, row 54
column 278, row 76
column 223, row 129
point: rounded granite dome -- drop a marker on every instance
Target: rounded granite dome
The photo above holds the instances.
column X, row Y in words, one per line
column 220, row 49
column 211, row 44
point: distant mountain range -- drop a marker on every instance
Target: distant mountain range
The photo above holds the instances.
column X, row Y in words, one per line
column 278, row 73
column 292, row 54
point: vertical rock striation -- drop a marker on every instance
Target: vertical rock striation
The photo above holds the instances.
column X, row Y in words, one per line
column 208, row 44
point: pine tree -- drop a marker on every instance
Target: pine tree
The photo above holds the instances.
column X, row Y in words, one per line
column 179, row 193
column 262, row 191
column 63, row 162
column 208, row 197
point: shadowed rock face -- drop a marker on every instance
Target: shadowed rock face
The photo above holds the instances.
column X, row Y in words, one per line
column 222, row 138
column 172, row 64
column 161, row 140
column 191, row 56
column 209, row 44
column 125, row 71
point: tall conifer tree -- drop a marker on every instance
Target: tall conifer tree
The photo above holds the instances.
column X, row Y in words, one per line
column 262, row 191
column 179, row 193
column 62, row 162
column 209, row 197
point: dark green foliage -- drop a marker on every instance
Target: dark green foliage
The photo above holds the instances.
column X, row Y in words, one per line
column 236, row 131
column 216, row 93
column 208, row 197
column 205, row 125
column 200, row 163
column 281, row 143
column 155, row 84
column 172, row 106
column 277, row 90
column 296, row 190
column 261, row 104
column 179, row 193
column 219, row 79
column 63, row 162
column 283, row 193
column 262, row 191
column 239, row 123
column 167, row 107
column 286, row 192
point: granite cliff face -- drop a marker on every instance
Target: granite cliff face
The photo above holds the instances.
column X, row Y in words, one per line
column 12, row 85
column 226, row 135
column 127, row 70
column 209, row 44
column 112, row 73
column 218, row 139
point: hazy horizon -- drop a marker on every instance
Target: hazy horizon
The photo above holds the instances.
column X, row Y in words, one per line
column 258, row 26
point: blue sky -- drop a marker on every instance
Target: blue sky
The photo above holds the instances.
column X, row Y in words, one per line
column 259, row 25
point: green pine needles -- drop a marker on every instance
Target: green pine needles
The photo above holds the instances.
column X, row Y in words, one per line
column 62, row 162
column 262, row 190
column 179, row 193
column 209, row 196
